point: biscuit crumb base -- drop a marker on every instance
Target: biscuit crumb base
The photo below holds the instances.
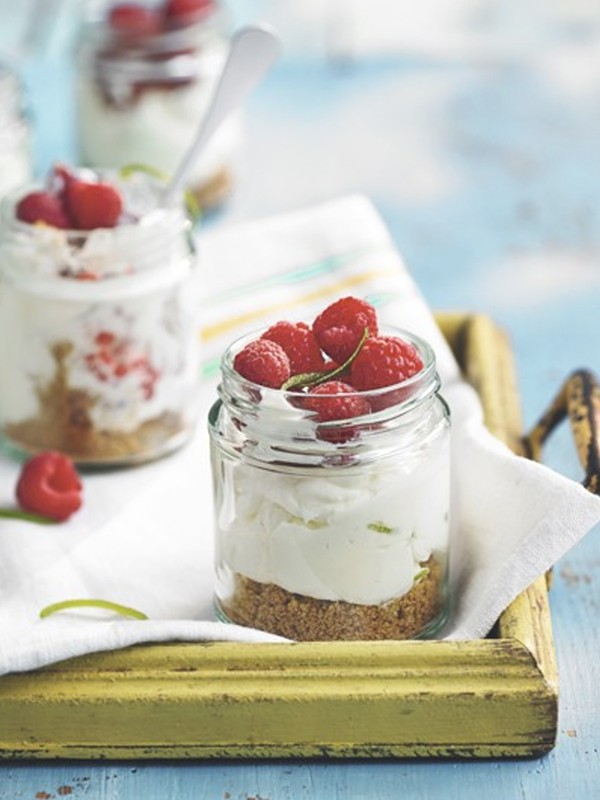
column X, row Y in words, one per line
column 270, row 608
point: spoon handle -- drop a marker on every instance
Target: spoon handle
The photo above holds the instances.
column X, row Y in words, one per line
column 253, row 51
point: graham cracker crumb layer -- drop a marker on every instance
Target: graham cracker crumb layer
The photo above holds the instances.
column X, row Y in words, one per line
column 270, row 608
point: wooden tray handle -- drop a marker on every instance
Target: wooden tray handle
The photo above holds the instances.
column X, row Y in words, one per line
column 579, row 399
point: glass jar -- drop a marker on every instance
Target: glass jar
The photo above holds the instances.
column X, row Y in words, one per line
column 140, row 100
column 332, row 530
column 103, row 361
column 15, row 134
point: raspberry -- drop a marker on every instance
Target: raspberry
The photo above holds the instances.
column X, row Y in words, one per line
column 384, row 361
column 49, row 485
column 300, row 345
column 184, row 12
column 340, row 327
column 93, row 205
column 133, row 19
column 104, row 338
column 86, row 275
column 42, row 207
column 263, row 362
column 57, row 181
column 336, row 400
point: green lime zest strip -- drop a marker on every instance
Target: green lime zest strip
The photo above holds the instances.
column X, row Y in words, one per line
column 191, row 203
column 379, row 527
column 311, row 524
column 304, row 379
column 125, row 611
column 131, row 169
column 27, row 516
column 421, row 575
column 192, row 206
column 315, row 378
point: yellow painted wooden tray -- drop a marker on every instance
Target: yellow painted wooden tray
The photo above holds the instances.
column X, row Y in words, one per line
column 493, row 697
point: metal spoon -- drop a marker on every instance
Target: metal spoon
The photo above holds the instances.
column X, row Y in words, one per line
column 252, row 52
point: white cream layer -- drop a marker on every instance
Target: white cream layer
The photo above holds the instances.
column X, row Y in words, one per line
column 156, row 128
column 160, row 327
column 360, row 537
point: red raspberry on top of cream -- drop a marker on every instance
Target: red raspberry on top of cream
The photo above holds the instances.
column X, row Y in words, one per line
column 295, row 357
column 300, row 345
column 72, row 203
column 340, row 326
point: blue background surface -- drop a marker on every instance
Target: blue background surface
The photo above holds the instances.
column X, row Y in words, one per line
column 484, row 161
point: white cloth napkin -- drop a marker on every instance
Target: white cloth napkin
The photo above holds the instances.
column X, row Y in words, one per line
column 144, row 535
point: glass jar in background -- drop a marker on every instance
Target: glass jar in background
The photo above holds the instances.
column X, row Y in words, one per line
column 102, row 362
column 332, row 530
column 142, row 91
column 15, row 134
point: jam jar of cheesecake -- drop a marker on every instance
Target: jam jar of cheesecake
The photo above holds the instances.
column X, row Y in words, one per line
column 15, row 133
column 98, row 313
column 331, row 471
column 146, row 75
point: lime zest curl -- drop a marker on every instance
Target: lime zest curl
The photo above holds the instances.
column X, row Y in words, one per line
column 191, row 202
column 27, row 516
column 108, row 605
column 306, row 379
column 420, row 576
column 379, row 527
column 132, row 169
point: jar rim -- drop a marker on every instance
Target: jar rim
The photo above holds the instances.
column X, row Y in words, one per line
column 407, row 394
column 9, row 201
column 156, row 244
column 120, row 178
column 98, row 32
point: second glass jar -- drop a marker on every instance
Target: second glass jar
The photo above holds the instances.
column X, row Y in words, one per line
column 100, row 328
column 141, row 96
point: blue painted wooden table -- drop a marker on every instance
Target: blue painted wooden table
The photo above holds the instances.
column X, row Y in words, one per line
column 482, row 155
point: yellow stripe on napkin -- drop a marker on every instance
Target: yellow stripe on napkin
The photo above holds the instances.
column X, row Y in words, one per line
column 217, row 329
